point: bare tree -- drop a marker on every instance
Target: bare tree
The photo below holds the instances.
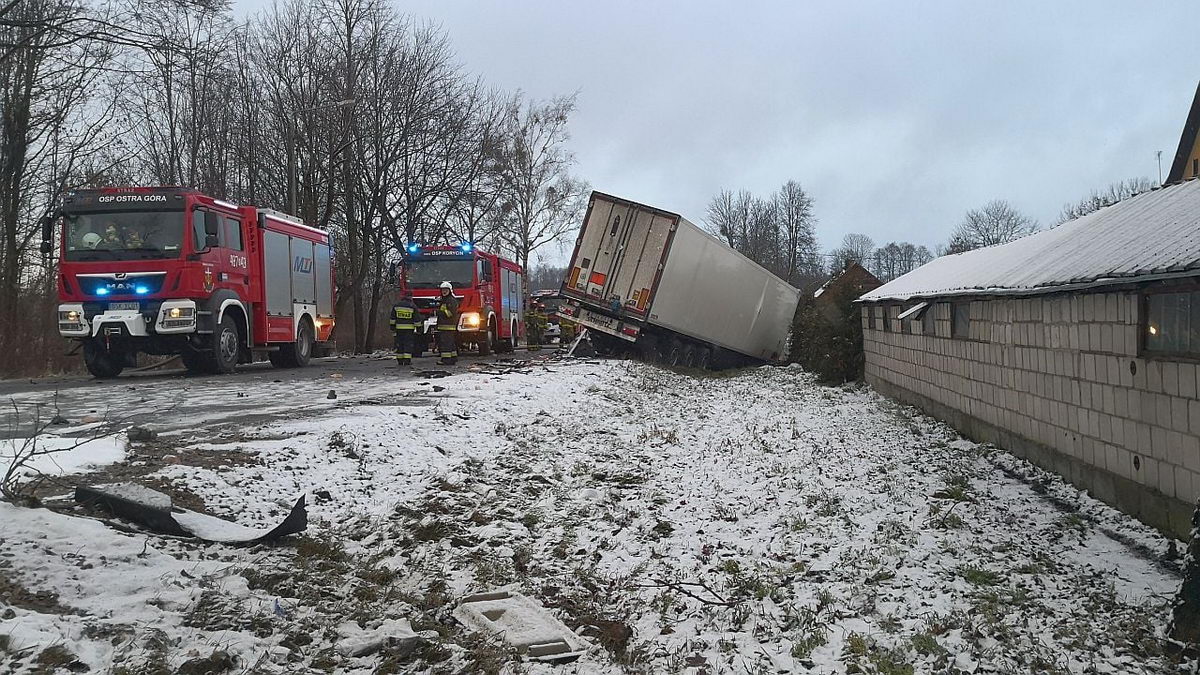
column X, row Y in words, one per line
column 996, row 222
column 857, row 248
column 52, row 123
column 1097, row 200
column 542, row 200
column 794, row 211
column 895, row 259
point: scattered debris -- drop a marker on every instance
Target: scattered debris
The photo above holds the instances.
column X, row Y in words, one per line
column 141, row 434
column 331, row 395
column 433, row 374
column 437, row 388
column 395, row 634
column 522, row 623
column 155, row 510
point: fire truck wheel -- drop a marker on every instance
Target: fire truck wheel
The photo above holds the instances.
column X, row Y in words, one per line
column 297, row 354
column 703, row 357
column 102, row 363
column 225, row 346
column 487, row 342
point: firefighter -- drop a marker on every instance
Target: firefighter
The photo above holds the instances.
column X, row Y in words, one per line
column 447, row 325
column 403, row 321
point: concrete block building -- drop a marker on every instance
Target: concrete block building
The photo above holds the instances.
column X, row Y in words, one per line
column 1077, row 348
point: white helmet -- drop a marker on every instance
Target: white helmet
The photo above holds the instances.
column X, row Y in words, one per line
column 92, row 240
column 447, row 285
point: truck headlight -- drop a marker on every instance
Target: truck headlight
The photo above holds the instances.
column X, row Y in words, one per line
column 70, row 316
column 470, row 319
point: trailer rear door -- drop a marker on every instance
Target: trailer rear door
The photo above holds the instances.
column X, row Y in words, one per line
column 620, row 253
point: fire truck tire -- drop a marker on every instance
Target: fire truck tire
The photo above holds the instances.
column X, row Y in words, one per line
column 703, row 358
column 487, row 342
column 226, row 346
column 297, row 354
column 102, row 363
column 674, row 355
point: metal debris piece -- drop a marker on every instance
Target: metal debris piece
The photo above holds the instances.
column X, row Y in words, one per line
column 154, row 510
column 522, row 623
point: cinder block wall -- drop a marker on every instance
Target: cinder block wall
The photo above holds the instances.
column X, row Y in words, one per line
column 1057, row 380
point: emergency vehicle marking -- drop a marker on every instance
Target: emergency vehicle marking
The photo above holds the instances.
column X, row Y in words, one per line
column 239, row 261
column 302, row 265
column 104, row 199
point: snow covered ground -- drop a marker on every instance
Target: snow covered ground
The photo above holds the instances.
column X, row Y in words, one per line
column 746, row 522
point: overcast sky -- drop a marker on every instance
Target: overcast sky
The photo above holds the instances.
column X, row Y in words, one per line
column 896, row 117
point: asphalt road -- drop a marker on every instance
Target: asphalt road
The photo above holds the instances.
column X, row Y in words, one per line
column 173, row 400
column 359, row 366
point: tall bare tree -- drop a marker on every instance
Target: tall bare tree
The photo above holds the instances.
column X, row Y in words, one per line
column 542, row 200
column 52, row 122
column 857, row 248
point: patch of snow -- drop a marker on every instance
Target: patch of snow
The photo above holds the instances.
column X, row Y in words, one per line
column 59, row 455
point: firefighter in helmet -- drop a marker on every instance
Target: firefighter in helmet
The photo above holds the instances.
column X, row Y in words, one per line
column 447, row 325
column 403, row 322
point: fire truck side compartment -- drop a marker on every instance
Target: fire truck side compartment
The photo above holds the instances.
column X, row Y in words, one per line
column 321, row 270
column 278, row 273
column 304, row 287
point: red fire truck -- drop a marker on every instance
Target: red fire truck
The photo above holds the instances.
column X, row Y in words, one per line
column 168, row 270
column 490, row 292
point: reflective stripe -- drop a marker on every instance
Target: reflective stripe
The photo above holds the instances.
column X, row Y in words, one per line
column 447, row 327
column 404, row 326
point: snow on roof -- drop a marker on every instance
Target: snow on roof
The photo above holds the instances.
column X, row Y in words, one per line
column 1153, row 235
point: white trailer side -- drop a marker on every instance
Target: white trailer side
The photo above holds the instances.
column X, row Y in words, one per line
column 647, row 275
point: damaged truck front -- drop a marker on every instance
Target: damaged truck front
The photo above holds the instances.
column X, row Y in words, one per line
column 646, row 280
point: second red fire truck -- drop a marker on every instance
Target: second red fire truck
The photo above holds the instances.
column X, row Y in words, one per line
column 490, row 292
column 171, row 271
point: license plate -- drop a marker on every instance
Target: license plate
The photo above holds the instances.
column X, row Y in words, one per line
column 598, row 319
column 123, row 307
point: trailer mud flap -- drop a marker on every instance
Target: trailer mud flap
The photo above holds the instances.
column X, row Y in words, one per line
column 154, row 510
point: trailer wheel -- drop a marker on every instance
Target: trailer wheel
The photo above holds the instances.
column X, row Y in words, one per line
column 674, row 354
column 226, row 346
column 297, row 354
column 703, row 357
column 688, row 358
column 100, row 362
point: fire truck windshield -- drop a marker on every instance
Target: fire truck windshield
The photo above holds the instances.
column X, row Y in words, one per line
column 137, row 235
column 430, row 273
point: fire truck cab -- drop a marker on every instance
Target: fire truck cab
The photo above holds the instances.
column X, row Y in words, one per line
column 169, row 270
column 490, row 292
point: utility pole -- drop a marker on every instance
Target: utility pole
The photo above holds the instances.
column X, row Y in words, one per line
column 1158, row 155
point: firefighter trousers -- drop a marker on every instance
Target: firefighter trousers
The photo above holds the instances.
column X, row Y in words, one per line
column 405, row 339
column 448, row 344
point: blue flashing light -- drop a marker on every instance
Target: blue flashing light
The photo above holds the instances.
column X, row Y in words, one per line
column 141, row 290
column 102, row 291
column 466, row 246
column 413, row 248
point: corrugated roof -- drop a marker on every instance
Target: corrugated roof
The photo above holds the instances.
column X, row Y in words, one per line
column 1155, row 234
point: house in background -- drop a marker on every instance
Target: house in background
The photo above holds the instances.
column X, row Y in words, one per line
column 1076, row 348
column 852, row 281
column 1186, row 164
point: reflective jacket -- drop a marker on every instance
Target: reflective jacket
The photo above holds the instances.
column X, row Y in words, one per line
column 404, row 316
column 447, row 313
